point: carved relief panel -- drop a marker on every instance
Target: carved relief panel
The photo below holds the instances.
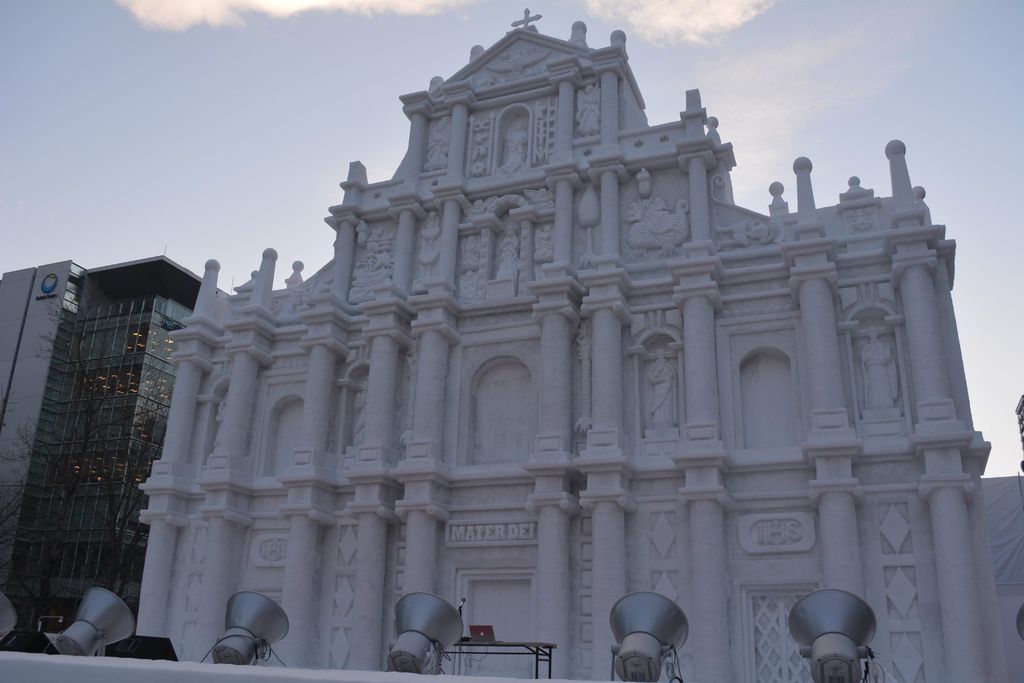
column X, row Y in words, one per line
column 652, row 230
column 588, row 110
column 374, row 262
column 438, row 139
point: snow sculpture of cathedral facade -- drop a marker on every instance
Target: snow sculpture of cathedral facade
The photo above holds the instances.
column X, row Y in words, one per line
column 552, row 362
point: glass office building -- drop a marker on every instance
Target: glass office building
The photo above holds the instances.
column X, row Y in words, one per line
column 100, row 425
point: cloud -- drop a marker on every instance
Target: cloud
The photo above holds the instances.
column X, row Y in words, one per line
column 178, row 15
column 675, row 21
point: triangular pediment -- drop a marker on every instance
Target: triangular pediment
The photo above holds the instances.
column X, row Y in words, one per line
column 520, row 55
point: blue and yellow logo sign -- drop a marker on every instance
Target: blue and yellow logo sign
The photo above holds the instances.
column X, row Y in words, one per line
column 49, row 283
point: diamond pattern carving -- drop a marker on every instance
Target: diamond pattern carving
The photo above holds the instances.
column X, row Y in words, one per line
column 663, row 536
column 901, row 591
column 664, row 586
column 906, row 657
column 343, row 596
column 776, row 655
column 347, row 545
column 340, row 649
column 895, row 529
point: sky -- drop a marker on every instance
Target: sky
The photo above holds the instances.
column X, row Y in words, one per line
column 216, row 128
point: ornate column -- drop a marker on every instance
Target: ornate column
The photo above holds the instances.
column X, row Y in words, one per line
column 939, row 436
column 387, row 333
column 407, row 211
column 231, row 464
column 962, row 634
column 608, row 499
column 418, row 108
column 373, row 508
column 311, row 479
column 226, row 524
column 459, row 96
column 561, row 172
column 554, row 508
column 602, row 461
column 249, row 350
column 701, row 455
column 168, row 485
column 343, row 219
column 831, row 445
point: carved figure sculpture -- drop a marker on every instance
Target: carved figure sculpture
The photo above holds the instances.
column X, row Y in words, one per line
column 516, row 139
column 543, row 249
column 652, row 227
column 429, row 253
column 661, row 377
column 588, row 110
column 480, row 157
column 469, row 269
column 881, row 384
column 508, row 256
column 375, row 266
column 359, row 414
column 437, row 145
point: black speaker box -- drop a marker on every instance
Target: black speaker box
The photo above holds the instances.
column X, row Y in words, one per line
column 143, row 647
column 26, row 641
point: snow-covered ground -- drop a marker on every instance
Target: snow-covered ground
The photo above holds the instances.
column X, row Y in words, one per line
column 23, row 668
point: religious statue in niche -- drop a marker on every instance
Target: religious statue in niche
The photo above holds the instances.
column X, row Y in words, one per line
column 469, row 269
column 588, row 110
column 661, row 377
column 516, row 142
column 543, row 249
column 359, row 414
column 375, row 267
column 881, row 383
column 480, row 147
column 437, row 144
column 653, row 229
column 429, row 253
column 508, row 256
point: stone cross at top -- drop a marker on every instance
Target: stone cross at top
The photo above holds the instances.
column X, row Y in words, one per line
column 525, row 21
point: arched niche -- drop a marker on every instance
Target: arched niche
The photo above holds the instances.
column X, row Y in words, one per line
column 768, row 400
column 213, row 412
column 876, row 365
column 658, row 378
column 513, row 153
column 353, row 404
column 284, row 434
column 504, row 414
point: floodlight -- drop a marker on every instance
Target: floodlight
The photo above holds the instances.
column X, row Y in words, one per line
column 647, row 627
column 833, row 628
column 102, row 618
column 252, row 622
column 424, row 624
column 8, row 615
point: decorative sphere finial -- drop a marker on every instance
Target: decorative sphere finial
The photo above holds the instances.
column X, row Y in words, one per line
column 895, row 148
column 802, row 164
column 213, row 264
column 853, row 182
column 297, row 266
column 776, row 189
column 712, row 122
column 269, row 254
column 919, row 193
column 618, row 38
